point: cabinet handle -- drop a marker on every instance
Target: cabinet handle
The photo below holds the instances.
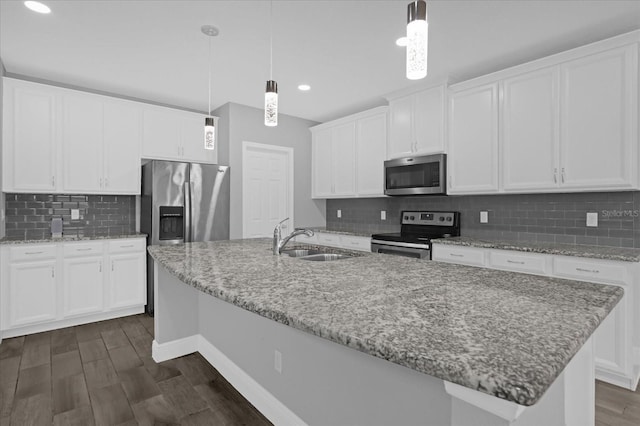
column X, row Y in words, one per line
column 34, row 252
column 106, row 182
column 53, row 181
column 456, row 255
column 127, row 246
column 592, row 271
column 100, row 267
column 112, row 266
column 53, row 272
column 555, row 175
column 562, row 175
column 100, row 180
column 515, row 262
column 84, row 249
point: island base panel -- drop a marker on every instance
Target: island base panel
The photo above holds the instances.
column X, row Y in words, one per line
column 322, row 382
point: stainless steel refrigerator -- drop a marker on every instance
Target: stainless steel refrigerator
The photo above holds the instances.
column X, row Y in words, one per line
column 180, row 203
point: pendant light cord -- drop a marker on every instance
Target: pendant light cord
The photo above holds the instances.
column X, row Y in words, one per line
column 209, row 110
column 271, row 40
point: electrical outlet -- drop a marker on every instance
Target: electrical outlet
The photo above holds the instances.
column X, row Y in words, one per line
column 339, row 213
column 75, row 214
column 592, row 219
column 484, row 217
column 277, row 361
column 383, row 215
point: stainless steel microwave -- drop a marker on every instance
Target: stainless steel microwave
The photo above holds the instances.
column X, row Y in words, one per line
column 424, row 175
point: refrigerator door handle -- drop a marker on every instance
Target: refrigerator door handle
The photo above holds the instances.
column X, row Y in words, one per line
column 187, row 212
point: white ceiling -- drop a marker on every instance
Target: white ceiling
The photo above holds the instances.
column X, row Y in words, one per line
column 345, row 50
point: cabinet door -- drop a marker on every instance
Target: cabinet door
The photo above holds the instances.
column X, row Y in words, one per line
column 473, row 140
column 428, row 121
column 530, row 131
column 127, row 284
column 612, row 340
column 322, row 179
column 598, row 116
column 29, row 146
column 32, row 292
column 343, row 145
column 122, row 138
column 83, row 286
column 371, row 148
column 161, row 134
column 82, row 143
column 192, row 137
column 401, row 138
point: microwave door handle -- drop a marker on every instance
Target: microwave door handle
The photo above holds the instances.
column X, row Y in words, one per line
column 187, row 212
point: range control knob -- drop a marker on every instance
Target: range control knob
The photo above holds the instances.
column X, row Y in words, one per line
column 441, row 219
column 413, row 217
column 449, row 219
column 406, row 217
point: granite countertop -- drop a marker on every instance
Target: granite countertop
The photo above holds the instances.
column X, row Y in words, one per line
column 595, row 252
column 331, row 231
column 13, row 241
column 437, row 318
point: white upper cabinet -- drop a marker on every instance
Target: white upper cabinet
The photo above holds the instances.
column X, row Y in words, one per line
column 473, row 143
column 416, row 123
column 371, row 150
column 348, row 156
column 29, row 137
column 82, row 143
column 65, row 141
column 599, row 119
column 530, row 131
column 567, row 123
column 174, row 135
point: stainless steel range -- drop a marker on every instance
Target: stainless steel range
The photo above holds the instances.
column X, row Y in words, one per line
column 417, row 230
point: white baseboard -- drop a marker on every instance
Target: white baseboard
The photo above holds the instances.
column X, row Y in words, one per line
column 174, row 349
column 262, row 399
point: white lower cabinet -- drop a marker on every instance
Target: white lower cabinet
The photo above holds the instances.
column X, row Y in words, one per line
column 617, row 339
column 331, row 239
column 54, row 285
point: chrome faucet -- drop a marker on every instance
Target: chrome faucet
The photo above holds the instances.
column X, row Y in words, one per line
column 279, row 242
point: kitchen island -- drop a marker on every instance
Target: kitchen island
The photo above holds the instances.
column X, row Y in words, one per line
column 434, row 343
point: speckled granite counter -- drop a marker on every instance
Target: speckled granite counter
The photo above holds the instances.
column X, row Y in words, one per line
column 595, row 252
column 10, row 241
column 436, row 318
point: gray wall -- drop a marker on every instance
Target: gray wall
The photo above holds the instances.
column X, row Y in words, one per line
column 556, row 218
column 29, row 215
column 246, row 123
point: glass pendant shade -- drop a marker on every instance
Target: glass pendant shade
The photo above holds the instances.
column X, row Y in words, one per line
column 271, row 104
column 417, row 40
column 209, row 133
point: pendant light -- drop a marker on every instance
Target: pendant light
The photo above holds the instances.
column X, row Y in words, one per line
column 209, row 122
column 271, row 93
column 417, row 40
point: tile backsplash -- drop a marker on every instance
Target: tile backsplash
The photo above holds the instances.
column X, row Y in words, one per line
column 559, row 218
column 29, row 216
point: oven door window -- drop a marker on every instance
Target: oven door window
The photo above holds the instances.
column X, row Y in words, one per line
column 425, row 175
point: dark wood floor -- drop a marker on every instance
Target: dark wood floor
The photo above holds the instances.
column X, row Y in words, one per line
column 103, row 374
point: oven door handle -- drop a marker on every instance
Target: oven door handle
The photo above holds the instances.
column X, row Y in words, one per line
column 396, row 244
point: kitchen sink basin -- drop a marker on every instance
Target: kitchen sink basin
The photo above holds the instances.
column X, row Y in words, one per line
column 324, row 257
column 300, row 252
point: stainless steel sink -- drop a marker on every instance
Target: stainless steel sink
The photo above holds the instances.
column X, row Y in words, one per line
column 324, row 257
column 300, row 252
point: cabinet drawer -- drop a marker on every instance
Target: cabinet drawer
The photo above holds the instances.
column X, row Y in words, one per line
column 329, row 239
column 519, row 262
column 356, row 243
column 590, row 270
column 30, row 252
column 82, row 249
column 126, row 246
column 462, row 255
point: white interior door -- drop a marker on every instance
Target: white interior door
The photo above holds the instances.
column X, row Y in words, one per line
column 267, row 189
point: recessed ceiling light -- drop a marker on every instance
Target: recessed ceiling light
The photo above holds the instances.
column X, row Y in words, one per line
column 304, row 87
column 402, row 42
column 37, row 7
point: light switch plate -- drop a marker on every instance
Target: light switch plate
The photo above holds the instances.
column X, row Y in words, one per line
column 75, row 214
column 383, row 215
column 339, row 214
column 484, row 217
column 592, row 219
